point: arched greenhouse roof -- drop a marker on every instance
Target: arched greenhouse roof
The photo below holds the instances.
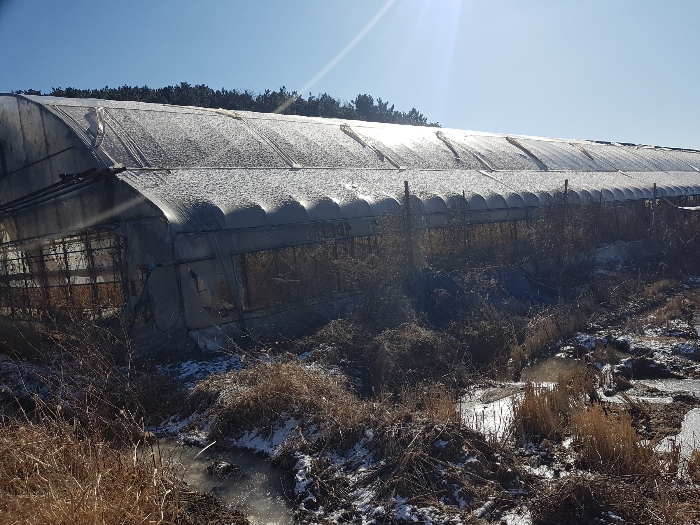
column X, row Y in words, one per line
column 208, row 169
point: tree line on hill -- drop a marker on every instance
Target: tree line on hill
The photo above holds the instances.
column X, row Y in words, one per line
column 363, row 107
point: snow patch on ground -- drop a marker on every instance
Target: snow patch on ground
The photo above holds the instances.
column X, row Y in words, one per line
column 192, row 371
column 272, row 444
column 517, row 516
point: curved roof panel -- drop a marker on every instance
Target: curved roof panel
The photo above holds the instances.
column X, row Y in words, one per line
column 560, row 155
column 208, row 169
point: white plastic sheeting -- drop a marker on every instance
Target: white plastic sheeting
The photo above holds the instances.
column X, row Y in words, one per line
column 210, row 169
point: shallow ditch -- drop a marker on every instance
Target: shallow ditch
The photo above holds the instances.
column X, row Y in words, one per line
column 236, row 477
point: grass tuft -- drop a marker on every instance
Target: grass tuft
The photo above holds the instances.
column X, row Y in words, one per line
column 51, row 473
column 611, row 444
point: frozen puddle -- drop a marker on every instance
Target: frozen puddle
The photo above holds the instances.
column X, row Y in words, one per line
column 489, row 411
column 250, row 481
column 671, row 385
column 689, row 436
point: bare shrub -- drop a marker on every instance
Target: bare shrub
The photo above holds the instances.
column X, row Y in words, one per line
column 565, row 236
column 604, row 354
column 98, row 384
column 550, row 326
column 433, row 400
column 612, row 445
column 488, row 335
column 411, row 354
column 338, row 340
column 597, row 498
column 617, row 290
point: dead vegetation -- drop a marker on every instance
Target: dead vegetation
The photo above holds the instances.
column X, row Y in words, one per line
column 610, row 443
column 260, row 397
column 75, row 450
column 614, row 499
column 50, row 472
column 413, row 441
column 544, row 411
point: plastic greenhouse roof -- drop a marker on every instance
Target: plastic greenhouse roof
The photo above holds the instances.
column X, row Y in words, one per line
column 208, row 168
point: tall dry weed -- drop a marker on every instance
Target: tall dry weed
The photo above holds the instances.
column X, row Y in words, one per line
column 604, row 498
column 693, row 466
column 656, row 288
column 51, row 473
column 432, row 400
column 611, row 445
column 488, row 334
column 97, row 380
column 544, row 410
column 550, row 326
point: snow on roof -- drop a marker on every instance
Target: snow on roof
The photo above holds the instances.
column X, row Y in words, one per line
column 210, row 168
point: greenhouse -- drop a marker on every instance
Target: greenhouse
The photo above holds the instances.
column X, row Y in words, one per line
column 182, row 218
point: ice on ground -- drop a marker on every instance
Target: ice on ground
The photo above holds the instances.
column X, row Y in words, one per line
column 426, row 515
column 302, row 480
column 493, row 419
column 192, row 371
column 485, row 509
column 689, row 436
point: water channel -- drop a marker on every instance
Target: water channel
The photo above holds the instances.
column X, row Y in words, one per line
column 235, row 476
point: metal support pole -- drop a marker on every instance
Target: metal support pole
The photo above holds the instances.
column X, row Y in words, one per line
column 653, row 208
column 409, row 229
column 653, row 216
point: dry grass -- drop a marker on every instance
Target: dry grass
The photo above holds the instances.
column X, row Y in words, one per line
column 415, row 437
column 49, row 473
column 544, row 410
column 79, row 456
column 604, row 354
column 635, row 500
column 693, row 466
column 673, row 309
column 259, row 397
column 611, row 444
column 96, row 380
column 265, row 395
column 433, row 401
column 551, row 326
column 489, row 335
column 657, row 288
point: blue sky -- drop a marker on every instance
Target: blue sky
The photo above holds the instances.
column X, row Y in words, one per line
column 594, row 69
